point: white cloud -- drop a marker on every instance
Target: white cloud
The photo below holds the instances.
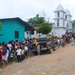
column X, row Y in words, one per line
column 29, row 8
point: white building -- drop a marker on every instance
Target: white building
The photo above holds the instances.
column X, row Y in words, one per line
column 62, row 21
column 61, row 25
column 36, row 34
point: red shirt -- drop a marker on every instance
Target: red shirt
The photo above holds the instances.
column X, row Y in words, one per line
column 17, row 44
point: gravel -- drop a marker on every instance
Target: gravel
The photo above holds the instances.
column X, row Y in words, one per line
column 60, row 62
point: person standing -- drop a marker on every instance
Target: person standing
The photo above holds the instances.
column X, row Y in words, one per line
column 18, row 51
column 9, row 46
column 26, row 50
column 52, row 34
column 0, row 52
column 5, row 55
column 72, row 41
column 38, row 48
column 58, row 43
column 22, row 54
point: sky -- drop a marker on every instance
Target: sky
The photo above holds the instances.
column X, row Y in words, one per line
column 26, row 9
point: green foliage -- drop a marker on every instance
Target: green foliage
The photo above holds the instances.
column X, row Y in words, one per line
column 44, row 28
column 0, row 25
column 73, row 23
column 1, row 28
column 1, row 34
column 36, row 20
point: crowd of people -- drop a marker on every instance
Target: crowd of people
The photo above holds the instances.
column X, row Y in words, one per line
column 12, row 50
column 19, row 51
column 67, row 38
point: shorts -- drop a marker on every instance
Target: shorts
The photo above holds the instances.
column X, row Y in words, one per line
column 4, row 57
column 38, row 50
column 26, row 52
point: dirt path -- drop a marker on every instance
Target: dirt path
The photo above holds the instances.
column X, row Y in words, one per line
column 60, row 62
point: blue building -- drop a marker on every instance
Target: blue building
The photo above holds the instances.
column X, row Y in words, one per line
column 13, row 29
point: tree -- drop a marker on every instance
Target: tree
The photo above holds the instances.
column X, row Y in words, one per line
column 1, row 28
column 44, row 28
column 73, row 23
column 36, row 20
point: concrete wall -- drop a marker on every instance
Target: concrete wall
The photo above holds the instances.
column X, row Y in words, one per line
column 9, row 27
column 59, row 31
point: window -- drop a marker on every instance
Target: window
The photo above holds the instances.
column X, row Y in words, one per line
column 32, row 32
column 57, row 22
column 65, row 16
column 63, row 23
column 58, row 14
column 67, row 25
column 16, row 34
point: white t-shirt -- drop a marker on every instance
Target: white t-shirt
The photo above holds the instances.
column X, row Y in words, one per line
column 5, row 57
column 18, row 51
column 26, row 48
column 9, row 46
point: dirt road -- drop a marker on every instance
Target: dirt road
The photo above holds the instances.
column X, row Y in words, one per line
column 60, row 62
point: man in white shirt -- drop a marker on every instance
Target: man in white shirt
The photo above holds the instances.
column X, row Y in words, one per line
column 9, row 46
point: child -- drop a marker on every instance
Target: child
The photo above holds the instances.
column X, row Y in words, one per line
column 22, row 54
column 18, row 51
column 26, row 50
column 38, row 48
column 11, row 58
column 58, row 43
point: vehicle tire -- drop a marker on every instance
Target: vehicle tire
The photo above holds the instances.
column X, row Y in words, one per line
column 54, row 48
column 35, row 53
column 50, row 50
